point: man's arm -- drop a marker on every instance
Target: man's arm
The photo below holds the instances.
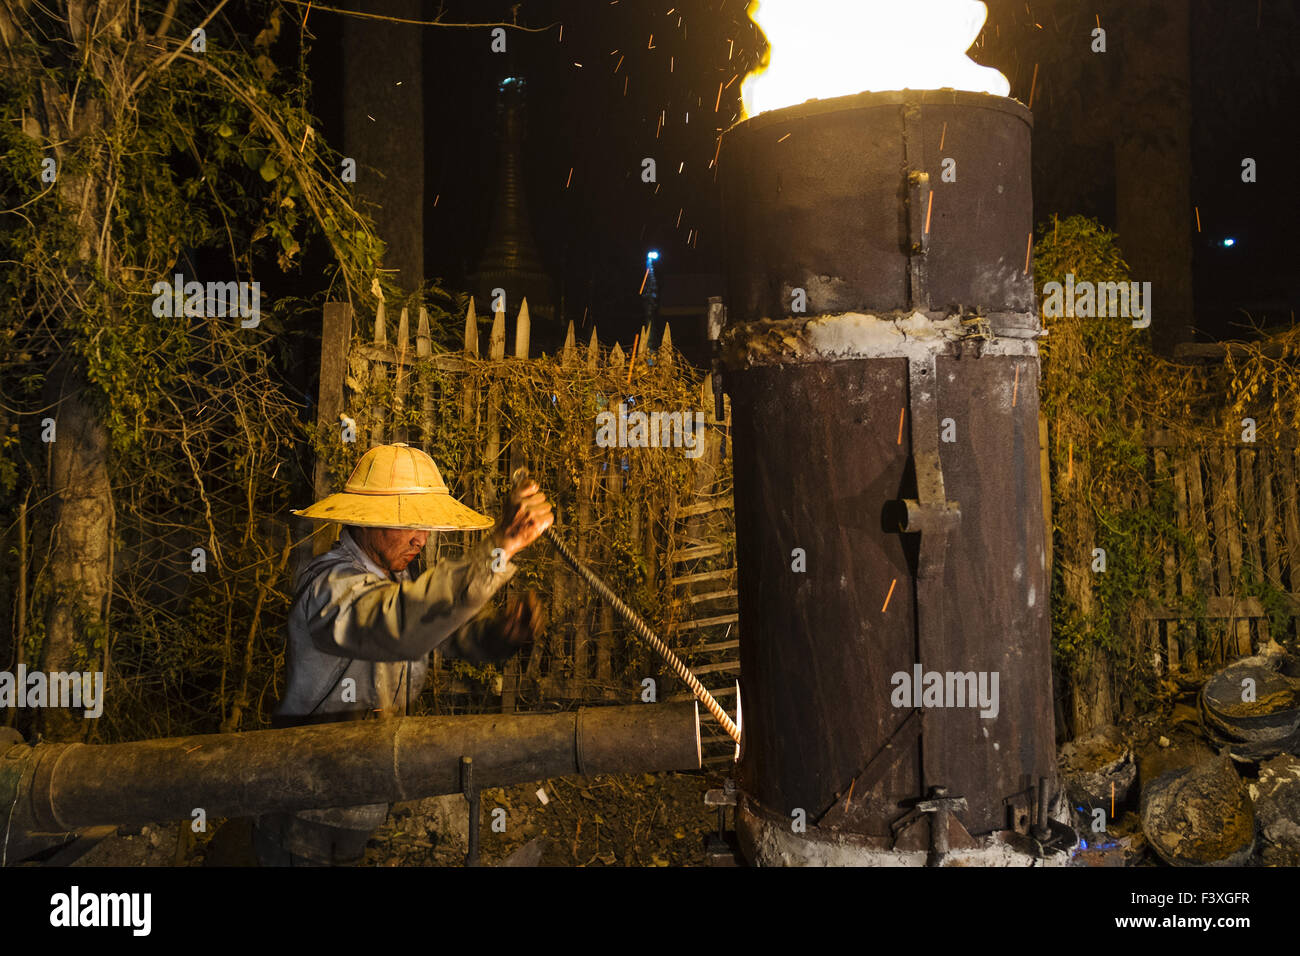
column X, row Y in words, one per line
column 492, row 636
column 370, row 618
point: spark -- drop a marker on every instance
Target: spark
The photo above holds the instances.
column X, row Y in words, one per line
column 929, row 206
column 885, row 607
column 1032, row 84
column 900, row 425
column 570, row 179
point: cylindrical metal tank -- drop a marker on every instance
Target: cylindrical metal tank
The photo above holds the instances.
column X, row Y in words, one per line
column 881, row 360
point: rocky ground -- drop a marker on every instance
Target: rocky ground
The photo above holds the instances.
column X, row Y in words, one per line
column 611, row 820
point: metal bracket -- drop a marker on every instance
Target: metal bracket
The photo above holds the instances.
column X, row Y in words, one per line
column 717, row 319
column 930, row 513
column 472, row 795
column 726, row 797
column 942, row 805
column 918, row 205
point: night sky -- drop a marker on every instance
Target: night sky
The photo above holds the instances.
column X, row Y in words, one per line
column 617, row 83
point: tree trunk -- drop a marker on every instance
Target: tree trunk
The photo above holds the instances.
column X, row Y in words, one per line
column 80, row 550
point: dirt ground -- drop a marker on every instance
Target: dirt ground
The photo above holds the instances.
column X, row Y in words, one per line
column 609, row 820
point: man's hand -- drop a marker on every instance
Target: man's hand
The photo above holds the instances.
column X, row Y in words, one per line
column 523, row 621
column 527, row 514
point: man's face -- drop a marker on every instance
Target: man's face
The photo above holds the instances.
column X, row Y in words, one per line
column 391, row 548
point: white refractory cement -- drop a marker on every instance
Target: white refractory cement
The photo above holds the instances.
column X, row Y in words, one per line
column 863, row 335
column 768, row 842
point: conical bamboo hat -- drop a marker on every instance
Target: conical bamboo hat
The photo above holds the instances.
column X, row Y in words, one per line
column 395, row 486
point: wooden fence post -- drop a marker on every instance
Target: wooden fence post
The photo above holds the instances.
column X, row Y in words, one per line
column 336, row 337
column 377, row 369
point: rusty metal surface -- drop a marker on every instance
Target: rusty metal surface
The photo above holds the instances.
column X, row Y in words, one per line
column 816, row 459
column 65, row 786
column 821, row 646
column 995, row 590
column 822, row 197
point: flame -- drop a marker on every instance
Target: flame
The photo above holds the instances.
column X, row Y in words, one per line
column 825, row 48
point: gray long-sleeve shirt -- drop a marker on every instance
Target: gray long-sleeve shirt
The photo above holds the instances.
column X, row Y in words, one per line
column 350, row 619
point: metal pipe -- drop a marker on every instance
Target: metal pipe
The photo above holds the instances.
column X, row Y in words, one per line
column 61, row 787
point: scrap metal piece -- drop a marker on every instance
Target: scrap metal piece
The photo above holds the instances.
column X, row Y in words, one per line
column 1199, row 815
column 1252, row 706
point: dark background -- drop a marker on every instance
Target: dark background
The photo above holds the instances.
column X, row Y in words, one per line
column 584, row 115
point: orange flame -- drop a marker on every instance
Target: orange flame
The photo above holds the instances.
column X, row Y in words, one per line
column 825, row 48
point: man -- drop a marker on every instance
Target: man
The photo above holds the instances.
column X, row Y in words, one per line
column 363, row 620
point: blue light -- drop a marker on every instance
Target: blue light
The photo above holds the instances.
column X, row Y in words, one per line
column 652, row 255
column 1229, row 242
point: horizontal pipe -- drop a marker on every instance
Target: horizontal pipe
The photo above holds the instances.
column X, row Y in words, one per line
column 63, row 787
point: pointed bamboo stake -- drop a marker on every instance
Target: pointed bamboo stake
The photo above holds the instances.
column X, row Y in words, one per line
column 666, row 348
column 523, row 328
column 497, row 340
column 378, row 369
column 471, row 331
column 423, row 342
column 593, row 352
column 569, row 351
column 492, row 420
column 400, row 380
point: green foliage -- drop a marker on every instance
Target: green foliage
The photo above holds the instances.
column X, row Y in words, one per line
column 1123, row 423
column 207, row 165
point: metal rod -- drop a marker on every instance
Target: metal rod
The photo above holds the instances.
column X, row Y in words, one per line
column 1043, row 828
column 471, row 794
column 643, row 631
column 640, row 627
